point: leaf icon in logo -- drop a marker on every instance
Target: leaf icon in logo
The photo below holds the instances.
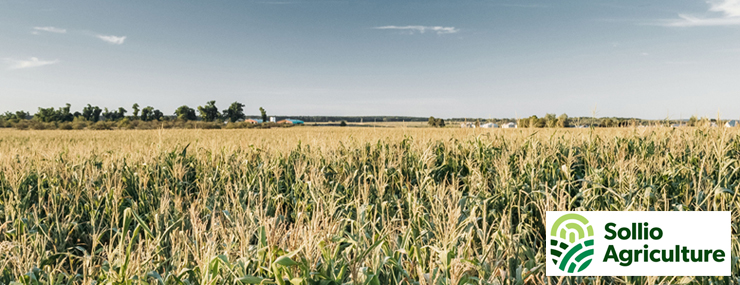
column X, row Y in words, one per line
column 571, row 240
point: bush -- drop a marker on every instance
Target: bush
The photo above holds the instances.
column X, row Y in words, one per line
column 65, row 126
column 124, row 124
column 35, row 125
column 22, row 125
column 101, row 126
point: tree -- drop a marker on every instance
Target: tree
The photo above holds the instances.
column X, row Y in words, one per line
column 121, row 113
column 21, row 115
column 523, row 123
column 91, row 113
column 534, row 122
column 343, row 124
column 18, row 115
column 146, row 113
column 692, row 121
column 209, row 112
column 436, row 122
column 186, row 113
column 156, row 115
column 264, row 115
column 47, row 115
column 432, row 122
column 550, row 120
column 135, row 107
column 65, row 115
column 607, row 123
column 107, row 115
column 563, row 121
column 235, row 112
column 440, row 123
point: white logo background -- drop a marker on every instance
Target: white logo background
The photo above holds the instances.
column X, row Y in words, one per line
column 695, row 230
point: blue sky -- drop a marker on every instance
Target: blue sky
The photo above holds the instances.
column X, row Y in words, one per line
column 474, row 58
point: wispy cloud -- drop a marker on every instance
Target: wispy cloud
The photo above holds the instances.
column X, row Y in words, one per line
column 32, row 62
column 521, row 5
column 112, row 39
column 730, row 10
column 421, row 29
column 50, row 30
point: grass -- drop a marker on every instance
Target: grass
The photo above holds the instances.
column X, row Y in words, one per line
column 337, row 205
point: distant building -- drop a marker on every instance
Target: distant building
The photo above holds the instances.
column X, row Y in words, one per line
column 253, row 121
column 731, row 124
column 509, row 125
column 272, row 119
column 489, row 125
column 291, row 121
column 467, row 125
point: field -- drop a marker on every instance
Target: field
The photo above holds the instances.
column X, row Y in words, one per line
column 337, row 205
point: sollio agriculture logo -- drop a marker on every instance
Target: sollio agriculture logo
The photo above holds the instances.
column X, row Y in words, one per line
column 571, row 238
column 614, row 243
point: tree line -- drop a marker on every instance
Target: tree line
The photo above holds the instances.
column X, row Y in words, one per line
column 563, row 121
column 95, row 117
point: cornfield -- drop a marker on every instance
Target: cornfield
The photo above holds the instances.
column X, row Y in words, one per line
column 338, row 205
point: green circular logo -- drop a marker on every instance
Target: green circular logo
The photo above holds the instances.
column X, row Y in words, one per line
column 572, row 243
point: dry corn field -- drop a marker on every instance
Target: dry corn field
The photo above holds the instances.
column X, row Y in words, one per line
column 338, row 205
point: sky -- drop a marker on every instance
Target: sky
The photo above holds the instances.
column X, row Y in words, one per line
column 465, row 58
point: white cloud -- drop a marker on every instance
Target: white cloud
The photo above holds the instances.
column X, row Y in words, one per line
column 32, row 62
column 112, row 39
column 422, row 29
column 729, row 8
column 50, row 30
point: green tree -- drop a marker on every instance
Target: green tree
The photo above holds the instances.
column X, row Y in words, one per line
column 18, row 115
column 235, row 112
column 440, row 123
column 550, row 120
column 209, row 112
column 45, row 115
column 186, row 113
column 91, row 113
column 563, row 121
column 432, row 122
column 156, row 115
column 523, row 123
column 107, row 115
column 62, row 114
column 607, row 123
column 692, row 121
column 264, row 114
column 146, row 113
column 135, row 107
column 343, row 124
column 121, row 113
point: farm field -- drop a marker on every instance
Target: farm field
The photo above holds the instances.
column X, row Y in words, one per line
column 331, row 205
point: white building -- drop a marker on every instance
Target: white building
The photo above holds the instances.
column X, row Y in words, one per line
column 509, row 125
column 489, row 126
column 467, row 125
column 731, row 124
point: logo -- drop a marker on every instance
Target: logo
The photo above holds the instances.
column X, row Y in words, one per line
column 631, row 243
column 572, row 241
